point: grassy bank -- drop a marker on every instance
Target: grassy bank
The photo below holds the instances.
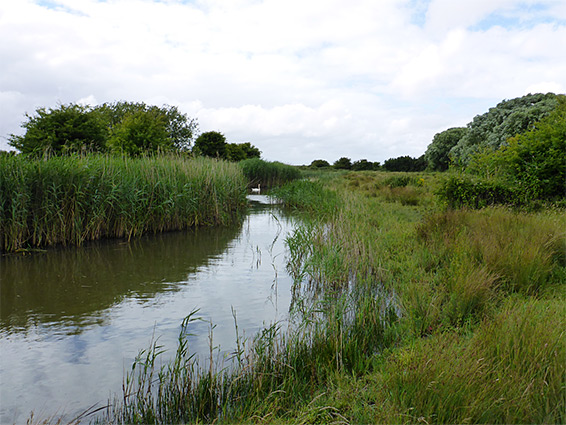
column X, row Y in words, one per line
column 70, row 200
column 402, row 312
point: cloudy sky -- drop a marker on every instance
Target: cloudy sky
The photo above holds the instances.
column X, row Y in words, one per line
column 300, row 79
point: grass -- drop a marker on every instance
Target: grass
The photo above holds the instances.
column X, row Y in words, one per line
column 268, row 174
column 70, row 200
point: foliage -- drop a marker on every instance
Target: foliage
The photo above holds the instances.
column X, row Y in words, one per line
column 70, row 200
column 405, row 163
column 140, row 132
column 460, row 192
column 66, row 129
column 211, row 144
column 343, row 163
column 437, row 152
column 364, row 165
column 534, row 163
column 509, row 118
column 319, row 163
column 122, row 127
column 268, row 174
column 240, row 151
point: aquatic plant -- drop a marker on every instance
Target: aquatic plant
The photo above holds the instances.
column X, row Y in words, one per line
column 70, row 200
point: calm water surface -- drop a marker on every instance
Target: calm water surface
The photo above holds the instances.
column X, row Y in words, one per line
column 73, row 320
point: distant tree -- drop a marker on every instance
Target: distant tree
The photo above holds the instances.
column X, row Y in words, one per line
column 437, row 152
column 363, row 165
column 343, row 163
column 66, row 129
column 250, row 150
column 212, row 144
column 405, row 163
column 509, row 118
column 235, row 152
column 319, row 163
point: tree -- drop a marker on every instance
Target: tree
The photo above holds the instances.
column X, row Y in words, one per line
column 319, row 163
column 66, row 129
column 235, row 152
column 141, row 132
column 509, row 118
column 180, row 129
column 436, row 155
column 364, row 165
column 343, row 163
column 212, row 144
column 405, row 163
column 533, row 162
column 250, row 150
column 125, row 127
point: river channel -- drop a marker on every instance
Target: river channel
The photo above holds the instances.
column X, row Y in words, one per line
column 72, row 320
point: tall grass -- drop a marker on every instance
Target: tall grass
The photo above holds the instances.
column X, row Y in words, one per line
column 268, row 174
column 69, row 200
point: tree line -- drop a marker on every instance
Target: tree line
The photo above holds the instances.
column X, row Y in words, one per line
column 126, row 128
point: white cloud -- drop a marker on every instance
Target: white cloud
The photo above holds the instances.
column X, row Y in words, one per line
column 301, row 80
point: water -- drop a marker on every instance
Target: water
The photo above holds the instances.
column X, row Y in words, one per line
column 73, row 320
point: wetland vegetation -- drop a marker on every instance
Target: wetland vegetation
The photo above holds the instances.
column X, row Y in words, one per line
column 417, row 297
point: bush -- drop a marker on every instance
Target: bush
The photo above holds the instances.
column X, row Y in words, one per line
column 460, row 192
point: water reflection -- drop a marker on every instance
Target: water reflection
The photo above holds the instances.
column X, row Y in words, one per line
column 72, row 320
column 73, row 284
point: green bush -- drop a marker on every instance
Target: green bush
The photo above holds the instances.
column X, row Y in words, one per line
column 460, row 192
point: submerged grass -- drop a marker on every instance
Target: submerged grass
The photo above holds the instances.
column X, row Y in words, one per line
column 401, row 313
column 70, row 200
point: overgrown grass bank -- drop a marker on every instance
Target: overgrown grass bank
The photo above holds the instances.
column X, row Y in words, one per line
column 70, row 200
column 402, row 312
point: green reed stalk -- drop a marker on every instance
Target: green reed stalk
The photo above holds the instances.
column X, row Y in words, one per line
column 70, row 200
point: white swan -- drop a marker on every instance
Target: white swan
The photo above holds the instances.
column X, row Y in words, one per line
column 256, row 189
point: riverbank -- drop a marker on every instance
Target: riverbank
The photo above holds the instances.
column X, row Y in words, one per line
column 71, row 200
column 403, row 311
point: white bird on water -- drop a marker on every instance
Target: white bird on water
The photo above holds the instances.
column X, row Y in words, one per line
column 256, row 189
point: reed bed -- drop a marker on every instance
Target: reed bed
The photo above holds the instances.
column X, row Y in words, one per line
column 268, row 174
column 70, row 200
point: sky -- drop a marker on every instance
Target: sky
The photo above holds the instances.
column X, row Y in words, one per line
column 299, row 79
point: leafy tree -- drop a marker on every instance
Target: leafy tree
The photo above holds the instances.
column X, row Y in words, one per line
column 141, row 132
column 509, row 118
column 533, row 162
column 405, row 163
column 212, row 144
column 179, row 127
column 437, row 152
column 235, row 152
column 343, row 163
column 319, row 163
column 126, row 127
column 250, row 150
column 66, row 129
column 364, row 165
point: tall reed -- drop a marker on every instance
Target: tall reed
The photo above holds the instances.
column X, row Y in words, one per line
column 268, row 174
column 70, row 200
